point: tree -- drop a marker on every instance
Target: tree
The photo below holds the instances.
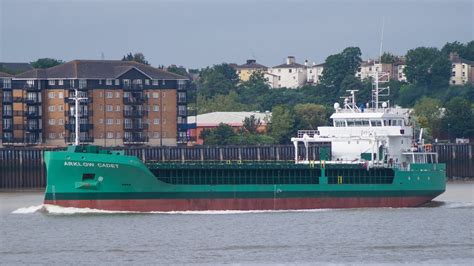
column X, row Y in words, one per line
column 219, row 79
column 388, row 58
column 428, row 115
column 427, row 67
column 465, row 51
column 282, row 124
column 177, row 70
column 459, row 118
column 136, row 57
column 338, row 66
column 251, row 124
column 220, row 103
column 253, row 90
column 220, row 135
column 46, row 63
column 310, row 116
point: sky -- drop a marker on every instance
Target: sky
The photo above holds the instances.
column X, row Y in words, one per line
column 200, row 33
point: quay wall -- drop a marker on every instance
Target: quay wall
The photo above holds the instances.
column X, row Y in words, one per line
column 23, row 168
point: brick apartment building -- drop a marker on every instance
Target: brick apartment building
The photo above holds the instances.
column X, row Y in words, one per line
column 128, row 103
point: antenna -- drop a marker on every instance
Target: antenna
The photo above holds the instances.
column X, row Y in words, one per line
column 381, row 40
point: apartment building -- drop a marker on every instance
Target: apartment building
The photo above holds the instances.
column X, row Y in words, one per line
column 367, row 68
column 127, row 103
column 246, row 70
column 290, row 74
column 462, row 70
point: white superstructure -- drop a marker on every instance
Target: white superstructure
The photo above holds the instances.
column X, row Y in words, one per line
column 375, row 133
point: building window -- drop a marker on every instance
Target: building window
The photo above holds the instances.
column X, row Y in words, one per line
column 60, row 95
column 109, row 108
column 118, row 135
column 453, row 74
column 60, row 108
column 52, row 122
column 156, row 108
column 110, row 121
column 156, row 121
column 51, row 108
column 101, row 107
column 118, row 121
column 7, row 83
column 82, row 83
column 108, row 82
column 109, row 95
column 52, row 135
column 156, row 135
column 60, row 121
column 154, row 82
column 117, row 82
column 60, row 82
column 156, row 95
column 117, row 108
column 101, row 121
column 110, row 135
column 147, row 82
column 51, row 95
column 117, row 94
column 290, row 70
column 51, row 82
column 163, row 82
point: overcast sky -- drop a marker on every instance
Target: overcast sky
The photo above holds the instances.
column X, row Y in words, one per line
column 197, row 33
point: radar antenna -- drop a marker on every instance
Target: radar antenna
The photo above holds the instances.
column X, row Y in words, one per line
column 77, row 99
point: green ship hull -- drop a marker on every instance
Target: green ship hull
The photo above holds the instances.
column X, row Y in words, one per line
column 86, row 177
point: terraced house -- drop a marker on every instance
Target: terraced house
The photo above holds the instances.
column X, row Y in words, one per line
column 127, row 103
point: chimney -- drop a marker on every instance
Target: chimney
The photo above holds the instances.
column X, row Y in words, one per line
column 290, row 60
column 306, row 62
column 251, row 61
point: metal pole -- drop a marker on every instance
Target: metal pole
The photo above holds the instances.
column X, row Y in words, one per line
column 76, row 113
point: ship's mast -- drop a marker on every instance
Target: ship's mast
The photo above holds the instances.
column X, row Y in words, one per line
column 77, row 99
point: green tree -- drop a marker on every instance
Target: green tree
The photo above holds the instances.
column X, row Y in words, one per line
column 177, row 70
column 428, row 116
column 219, row 79
column 220, row 103
column 136, row 57
column 427, row 67
column 388, row 58
column 282, row 124
column 459, row 118
column 220, row 135
column 338, row 66
column 251, row 124
column 252, row 91
column 310, row 115
column 465, row 51
column 46, row 63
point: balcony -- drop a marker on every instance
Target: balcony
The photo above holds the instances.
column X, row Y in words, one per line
column 32, row 101
column 135, row 140
column 7, row 100
column 8, row 113
column 82, row 139
column 32, row 114
column 186, row 139
column 31, row 88
column 134, row 113
column 33, row 128
column 17, row 99
column 70, row 100
column 82, row 127
column 132, row 87
column 135, row 127
column 186, row 126
column 136, row 99
column 81, row 114
column 181, row 99
column 7, row 128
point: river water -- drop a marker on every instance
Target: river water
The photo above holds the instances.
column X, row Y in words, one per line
column 441, row 233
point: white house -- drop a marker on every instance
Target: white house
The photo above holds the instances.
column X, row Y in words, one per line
column 461, row 70
column 291, row 74
column 271, row 79
column 314, row 73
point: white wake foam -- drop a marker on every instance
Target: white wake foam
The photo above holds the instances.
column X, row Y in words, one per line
column 457, row 205
column 27, row 210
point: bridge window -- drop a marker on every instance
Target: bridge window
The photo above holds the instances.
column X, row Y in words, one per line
column 340, row 123
column 376, row 123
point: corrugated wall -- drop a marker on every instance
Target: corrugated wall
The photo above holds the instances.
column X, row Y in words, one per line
column 22, row 168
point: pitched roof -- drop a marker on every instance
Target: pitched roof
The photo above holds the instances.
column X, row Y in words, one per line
column 16, row 67
column 252, row 64
column 5, row 75
column 292, row 65
column 97, row 69
column 229, row 118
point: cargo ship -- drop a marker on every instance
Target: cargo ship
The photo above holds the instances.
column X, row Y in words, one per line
column 374, row 160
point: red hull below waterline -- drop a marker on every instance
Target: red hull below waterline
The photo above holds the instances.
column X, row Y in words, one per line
column 167, row 205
